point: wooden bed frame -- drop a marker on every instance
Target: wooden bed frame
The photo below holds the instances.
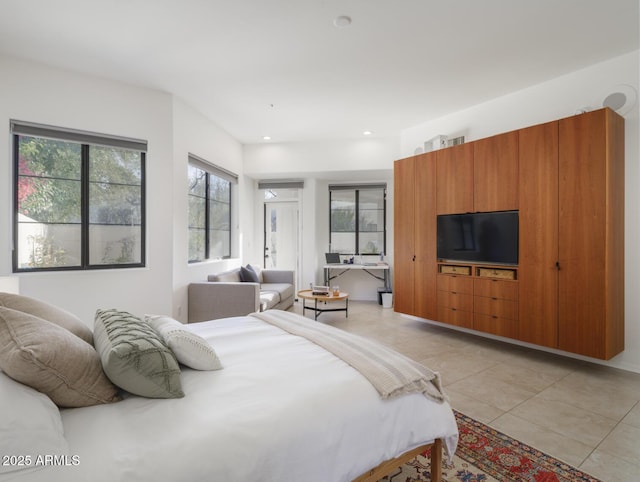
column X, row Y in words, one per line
column 388, row 466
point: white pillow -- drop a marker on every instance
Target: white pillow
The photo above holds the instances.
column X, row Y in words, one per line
column 189, row 348
column 30, row 425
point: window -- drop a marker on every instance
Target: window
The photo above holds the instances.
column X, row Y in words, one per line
column 358, row 219
column 209, row 210
column 79, row 199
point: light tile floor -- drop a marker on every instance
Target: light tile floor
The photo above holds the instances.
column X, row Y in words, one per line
column 585, row 414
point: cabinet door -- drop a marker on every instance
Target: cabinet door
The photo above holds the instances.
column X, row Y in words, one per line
column 454, row 172
column 425, row 302
column 404, row 235
column 538, row 220
column 591, row 168
column 495, row 173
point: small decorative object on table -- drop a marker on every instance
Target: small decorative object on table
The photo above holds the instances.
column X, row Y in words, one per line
column 320, row 291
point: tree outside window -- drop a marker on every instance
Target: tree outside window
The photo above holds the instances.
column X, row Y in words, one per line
column 209, row 191
column 78, row 205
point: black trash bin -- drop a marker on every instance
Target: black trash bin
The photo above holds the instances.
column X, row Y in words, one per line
column 380, row 291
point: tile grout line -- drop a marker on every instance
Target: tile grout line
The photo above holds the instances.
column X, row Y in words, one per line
column 620, row 422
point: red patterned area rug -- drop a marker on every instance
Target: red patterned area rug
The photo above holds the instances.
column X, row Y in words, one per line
column 486, row 455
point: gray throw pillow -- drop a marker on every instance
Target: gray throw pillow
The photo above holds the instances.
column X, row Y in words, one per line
column 134, row 357
column 45, row 356
column 47, row 312
column 247, row 274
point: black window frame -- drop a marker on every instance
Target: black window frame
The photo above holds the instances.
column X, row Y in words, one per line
column 357, row 188
column 86, row 140
column 226, row 175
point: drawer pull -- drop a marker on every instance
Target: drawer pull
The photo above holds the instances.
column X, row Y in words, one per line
column 453, row 309
column 494, row 298
column 454, row 293
column 494, row 317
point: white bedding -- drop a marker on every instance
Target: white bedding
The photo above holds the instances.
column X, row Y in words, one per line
column 250, row 421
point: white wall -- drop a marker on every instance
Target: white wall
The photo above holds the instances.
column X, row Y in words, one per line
column 556, row 99
column 371, row 159
column 193, row 133
column 320, row 164
column 318, row 159
column 359, row 284
column 36, row 93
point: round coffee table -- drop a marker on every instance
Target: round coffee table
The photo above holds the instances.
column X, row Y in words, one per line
column 330, row 298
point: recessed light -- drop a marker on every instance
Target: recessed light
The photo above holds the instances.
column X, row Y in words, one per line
column 266, row 138
column 367, row 133
column 342, row 21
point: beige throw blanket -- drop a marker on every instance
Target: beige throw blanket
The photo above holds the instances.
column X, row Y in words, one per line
column 390, row 372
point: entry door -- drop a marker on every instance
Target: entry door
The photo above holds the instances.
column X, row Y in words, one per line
column 281, row 235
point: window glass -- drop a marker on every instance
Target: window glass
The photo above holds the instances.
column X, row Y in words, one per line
column 52, row 208
column 209, row 215
column 197, row 213
column 357, row 220
column 115, row 206
column 343, row 212
column 280, row 194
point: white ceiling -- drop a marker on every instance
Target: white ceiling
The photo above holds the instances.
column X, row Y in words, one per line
column 281, row 68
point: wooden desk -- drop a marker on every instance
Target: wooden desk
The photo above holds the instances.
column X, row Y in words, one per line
column 307, row 295
column 330, row 269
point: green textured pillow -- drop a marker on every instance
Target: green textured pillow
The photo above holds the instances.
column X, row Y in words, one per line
column 134, row 357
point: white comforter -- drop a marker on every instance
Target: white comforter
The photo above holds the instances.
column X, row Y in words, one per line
column 282, row 409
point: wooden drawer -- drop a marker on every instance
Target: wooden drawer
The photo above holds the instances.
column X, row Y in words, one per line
column 495, row 325
column 457, row 284
column 493, row 288
column 495, row 307
column 455, row 317
column 500, row 273
column 455, row 269
column 459, row 301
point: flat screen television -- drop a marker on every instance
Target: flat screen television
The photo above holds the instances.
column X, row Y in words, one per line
column 488, row 238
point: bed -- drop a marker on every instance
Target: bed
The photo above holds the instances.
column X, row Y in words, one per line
column 280, row 408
